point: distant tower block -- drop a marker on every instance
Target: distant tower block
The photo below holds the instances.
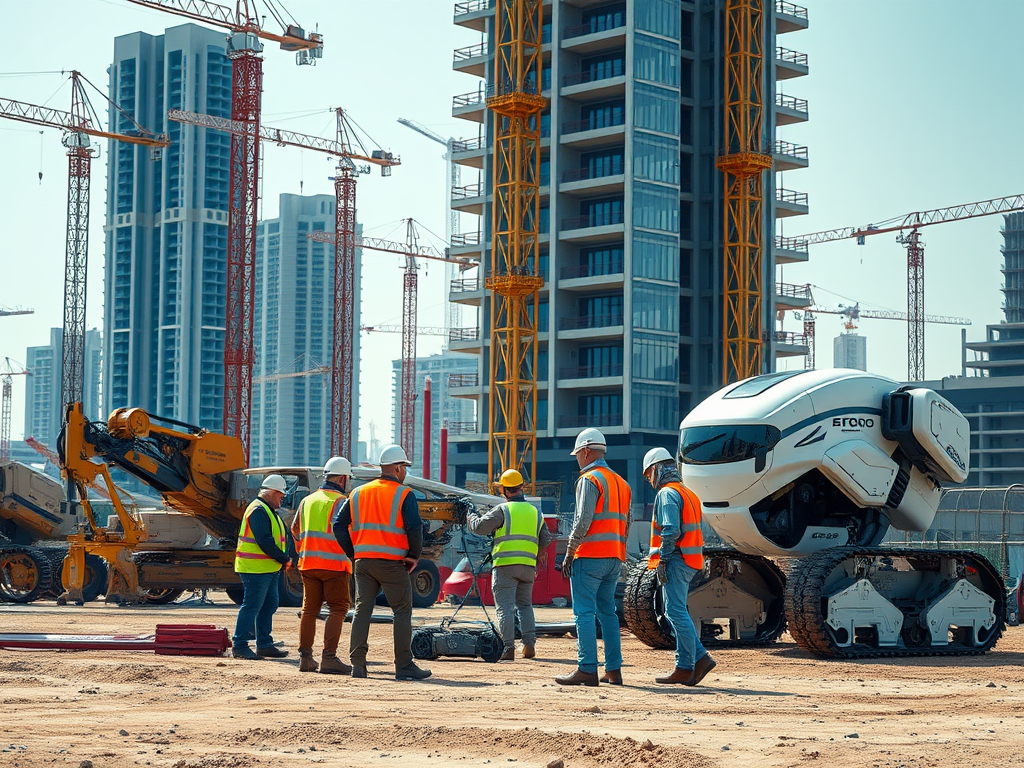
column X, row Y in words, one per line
column 850, row 350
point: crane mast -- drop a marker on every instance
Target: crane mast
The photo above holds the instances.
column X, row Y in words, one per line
column 514, row 282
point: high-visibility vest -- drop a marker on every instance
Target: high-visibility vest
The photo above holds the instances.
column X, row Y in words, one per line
column 249, row 558
column 690, row 543
column 606, row 536
column 376, row 529
column 318, row 548
column 517, row 541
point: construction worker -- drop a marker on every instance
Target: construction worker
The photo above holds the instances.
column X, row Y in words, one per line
column 519, row 536
column 677, row 556
column 594, row 558
column 259, row 557
column 379, row 527
column 325, row 569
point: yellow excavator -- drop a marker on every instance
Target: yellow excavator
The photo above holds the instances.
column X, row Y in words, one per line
column 201, row 474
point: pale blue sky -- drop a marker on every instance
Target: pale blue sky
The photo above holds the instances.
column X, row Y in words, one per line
column 914, row 104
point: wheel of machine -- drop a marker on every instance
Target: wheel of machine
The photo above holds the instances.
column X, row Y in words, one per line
column 95, row 578
column 25, row 574
column 423, row 645
column 291, row 588
column 235, row 593
column 426, row 584
column 643, row 605
column 489, row 647
column 162, row 596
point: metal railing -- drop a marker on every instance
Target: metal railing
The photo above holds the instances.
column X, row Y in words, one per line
column 590, row 76
column 470, row 52
column 790, row 244
column 463, row 427
column 793, row 291
column 463, row 239
column 590, row 371
column 468, row 145
column 790, row 102
column 601, row 220
column 463, row 379
column 468, row 99
column 789, row 337
column 464, row 334
column 465, row 285
column 790, row 56
column 583, row 174
column 790, row 196
column 790, row 9
column 472, row 6
column 597, row 420
column 790, row 149
column 590, row 321
column 470, row 190
column 578, row 126
column 591, row 270
column 589, row 29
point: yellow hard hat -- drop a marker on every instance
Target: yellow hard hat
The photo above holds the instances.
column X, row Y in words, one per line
column 511, row 478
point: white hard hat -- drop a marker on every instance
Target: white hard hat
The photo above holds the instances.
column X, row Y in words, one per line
column 587, row 438
column 338, row 465
column 656, row 456
column 275, row 483
column 393, row 454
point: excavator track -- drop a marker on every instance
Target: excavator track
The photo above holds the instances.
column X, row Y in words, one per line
column 644, row 604
column 894, row 590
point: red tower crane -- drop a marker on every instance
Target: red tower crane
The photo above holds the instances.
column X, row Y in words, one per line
column 348, row 149
column 915, row 258
column 244, row 50
column 5, row 407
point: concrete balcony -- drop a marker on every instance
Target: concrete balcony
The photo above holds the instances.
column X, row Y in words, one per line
column 789, row 17
column 466, row 244
column 474, row 14
column 790, row 250
column 465, row 340
column 789, row 202
column 593, row 86
column 610, row 423
column 789, row 156
column 790, row 110
column 469, row 199
column 585, row 181
column 588, row 278
column 789, row 63
column 466, row 290
column 789, row 344
column 464, row 431
column 472, row 59
column 586, row 38
column 464, row 385
column 591, row 228
column 590, row 377
column 591, row 327
column 470, row 152
column 789, row 296
column 583, row 133
column 470, row 106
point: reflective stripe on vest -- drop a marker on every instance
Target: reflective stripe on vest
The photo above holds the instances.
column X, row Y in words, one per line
column 606, row 536
column 690, row 543
column 249, row 558
column 377, row 530
column 517, row 541
column 317, row 547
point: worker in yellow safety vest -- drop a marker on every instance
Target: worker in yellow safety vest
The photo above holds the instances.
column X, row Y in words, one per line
column 260, row 555
column 520, row 539
column 677, row 556
column 325, row 569
column 593, row 560
column 379, row 527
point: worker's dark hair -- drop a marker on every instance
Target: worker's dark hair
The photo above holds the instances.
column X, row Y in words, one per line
column 517, row 489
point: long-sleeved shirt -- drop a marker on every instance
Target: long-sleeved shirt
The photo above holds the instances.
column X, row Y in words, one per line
column 586, row 504
column 668, row 510
column 494, row 518
column 411, row 522
column 263, row 532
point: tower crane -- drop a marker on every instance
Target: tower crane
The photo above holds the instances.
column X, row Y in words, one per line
column 8, row 312
column 514, row 281
column 244, row 50
column 348, row 149
column 6, row 382
column 908, row 229
column 742, row 160
column 78, row 125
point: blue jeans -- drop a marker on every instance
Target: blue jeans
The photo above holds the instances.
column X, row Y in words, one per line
column 593, row 583
column 688, row 646
column 257, row 610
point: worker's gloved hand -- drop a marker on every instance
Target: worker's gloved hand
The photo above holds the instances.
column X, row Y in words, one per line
column 567, row 565
column 662, row 573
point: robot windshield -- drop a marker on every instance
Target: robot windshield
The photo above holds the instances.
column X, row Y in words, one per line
column 726, row 444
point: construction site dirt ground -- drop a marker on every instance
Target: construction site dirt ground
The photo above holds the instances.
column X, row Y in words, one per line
column 760, row 707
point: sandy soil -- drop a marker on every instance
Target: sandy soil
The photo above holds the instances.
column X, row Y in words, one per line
column 763, row 708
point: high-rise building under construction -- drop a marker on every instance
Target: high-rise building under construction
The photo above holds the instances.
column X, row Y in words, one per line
column 630, row 316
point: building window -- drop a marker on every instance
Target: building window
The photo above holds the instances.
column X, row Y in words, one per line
column 655, row 158
column 601, row 260
column 662, row 17
column 603, row 211
column 655, row 256
column 656, row 61
column 656, row 109
column 604, row 66
column 654, row 407
column 603, row 19
column 604, row 114
column 603, row 410
column 655, row 207
column 655, row 357
column 605, row 162
column 655, row 307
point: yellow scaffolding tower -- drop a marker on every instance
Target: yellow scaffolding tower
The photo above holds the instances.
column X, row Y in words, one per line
column 743, row 160
column 514, row 281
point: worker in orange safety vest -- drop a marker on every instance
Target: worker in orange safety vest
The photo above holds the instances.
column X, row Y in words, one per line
column 676, row 557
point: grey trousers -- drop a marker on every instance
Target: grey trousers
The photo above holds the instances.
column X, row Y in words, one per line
column 512, row 586
column 371, row 576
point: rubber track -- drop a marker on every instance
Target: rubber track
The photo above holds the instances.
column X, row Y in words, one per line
column 642, row 619
column 805, row 606
column 39, row 556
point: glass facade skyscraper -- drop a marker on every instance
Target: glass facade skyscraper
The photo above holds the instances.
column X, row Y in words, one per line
column 43, row 408
column 630, row 315
column 166, row 229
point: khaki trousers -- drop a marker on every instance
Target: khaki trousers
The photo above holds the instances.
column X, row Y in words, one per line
column 319, row 586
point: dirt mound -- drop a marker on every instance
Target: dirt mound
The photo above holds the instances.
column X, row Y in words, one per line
column 218, row 761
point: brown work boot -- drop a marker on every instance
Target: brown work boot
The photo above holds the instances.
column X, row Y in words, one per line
column 700, row 670
column 306, row 661
column 358, row 670
column 332, row 665
column 508, row 655
column 579, row 677
column 679, row 676
column 529, row 651
column 612, row 677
